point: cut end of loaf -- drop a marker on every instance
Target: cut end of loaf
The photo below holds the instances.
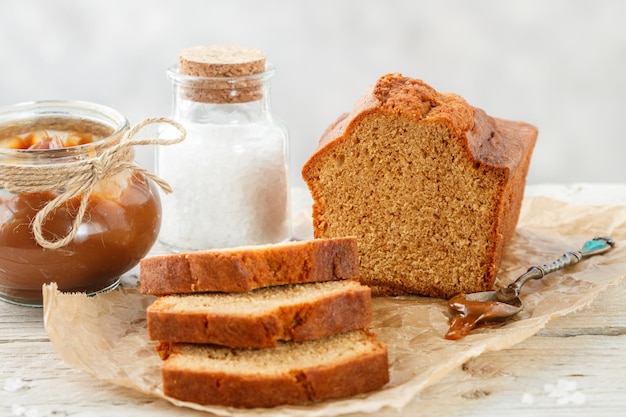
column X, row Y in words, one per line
column 400, row 174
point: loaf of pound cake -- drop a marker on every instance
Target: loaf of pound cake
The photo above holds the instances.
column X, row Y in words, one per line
column 261, row 317
column 430, row 186
column 337, row 366
column 246, row 268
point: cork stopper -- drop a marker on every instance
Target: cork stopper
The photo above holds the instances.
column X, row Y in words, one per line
column 220, row 69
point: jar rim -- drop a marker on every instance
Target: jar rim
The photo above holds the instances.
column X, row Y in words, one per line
column 64, row 109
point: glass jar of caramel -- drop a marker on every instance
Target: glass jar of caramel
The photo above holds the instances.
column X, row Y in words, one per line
column 57, row 166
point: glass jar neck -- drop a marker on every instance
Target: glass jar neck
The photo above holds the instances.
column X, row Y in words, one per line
column 232, row 100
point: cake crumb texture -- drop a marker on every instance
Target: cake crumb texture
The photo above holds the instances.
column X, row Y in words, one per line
column 430, row 186
column 262, row 317
column 291, row 373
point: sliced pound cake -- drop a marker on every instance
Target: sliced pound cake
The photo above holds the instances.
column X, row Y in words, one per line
column 261, row 317
column 246, row 268
column 291, row 373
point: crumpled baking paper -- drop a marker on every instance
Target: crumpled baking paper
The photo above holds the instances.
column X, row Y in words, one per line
column 106, row 335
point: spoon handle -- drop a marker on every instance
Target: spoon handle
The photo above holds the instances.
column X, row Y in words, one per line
column 595, row 246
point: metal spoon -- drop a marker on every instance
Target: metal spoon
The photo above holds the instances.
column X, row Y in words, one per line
column 472, row 309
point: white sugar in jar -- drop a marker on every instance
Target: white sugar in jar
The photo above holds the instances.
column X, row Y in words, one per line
column 230, row 175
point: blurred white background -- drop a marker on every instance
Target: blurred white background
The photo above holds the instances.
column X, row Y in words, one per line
column 558, row 64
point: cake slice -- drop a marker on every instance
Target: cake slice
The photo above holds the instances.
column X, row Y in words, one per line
column 430, row 186
column 261, row 317
column 293, row 372
column 246, row 268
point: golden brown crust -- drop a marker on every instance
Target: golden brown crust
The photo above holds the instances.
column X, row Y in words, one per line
column 319, row 380
column 426, row 164
column 318, row 316
column 413, row 97
column 244, row 269
column 506, row 145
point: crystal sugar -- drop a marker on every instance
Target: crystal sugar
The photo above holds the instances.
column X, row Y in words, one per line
column 230, row 187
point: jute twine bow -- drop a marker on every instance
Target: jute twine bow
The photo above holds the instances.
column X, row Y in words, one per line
column 79, row 178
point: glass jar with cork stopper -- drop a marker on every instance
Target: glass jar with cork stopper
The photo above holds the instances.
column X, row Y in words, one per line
column 230, row 175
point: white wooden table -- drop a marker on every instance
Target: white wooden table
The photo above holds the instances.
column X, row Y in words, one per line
column 574, row 367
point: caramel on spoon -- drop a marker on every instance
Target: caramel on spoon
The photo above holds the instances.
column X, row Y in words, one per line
column 491, row 306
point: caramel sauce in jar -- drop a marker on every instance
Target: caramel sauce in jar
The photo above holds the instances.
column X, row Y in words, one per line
column 120, row 225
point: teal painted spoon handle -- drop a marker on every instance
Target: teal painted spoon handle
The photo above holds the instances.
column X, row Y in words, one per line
column 595, row 246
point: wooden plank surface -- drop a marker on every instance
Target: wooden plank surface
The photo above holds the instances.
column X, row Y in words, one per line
column 584, row 351
column 576, row 348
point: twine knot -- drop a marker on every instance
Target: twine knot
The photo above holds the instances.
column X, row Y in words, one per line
column 80, row 177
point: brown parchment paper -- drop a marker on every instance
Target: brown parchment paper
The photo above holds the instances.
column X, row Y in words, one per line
column 106, row 335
